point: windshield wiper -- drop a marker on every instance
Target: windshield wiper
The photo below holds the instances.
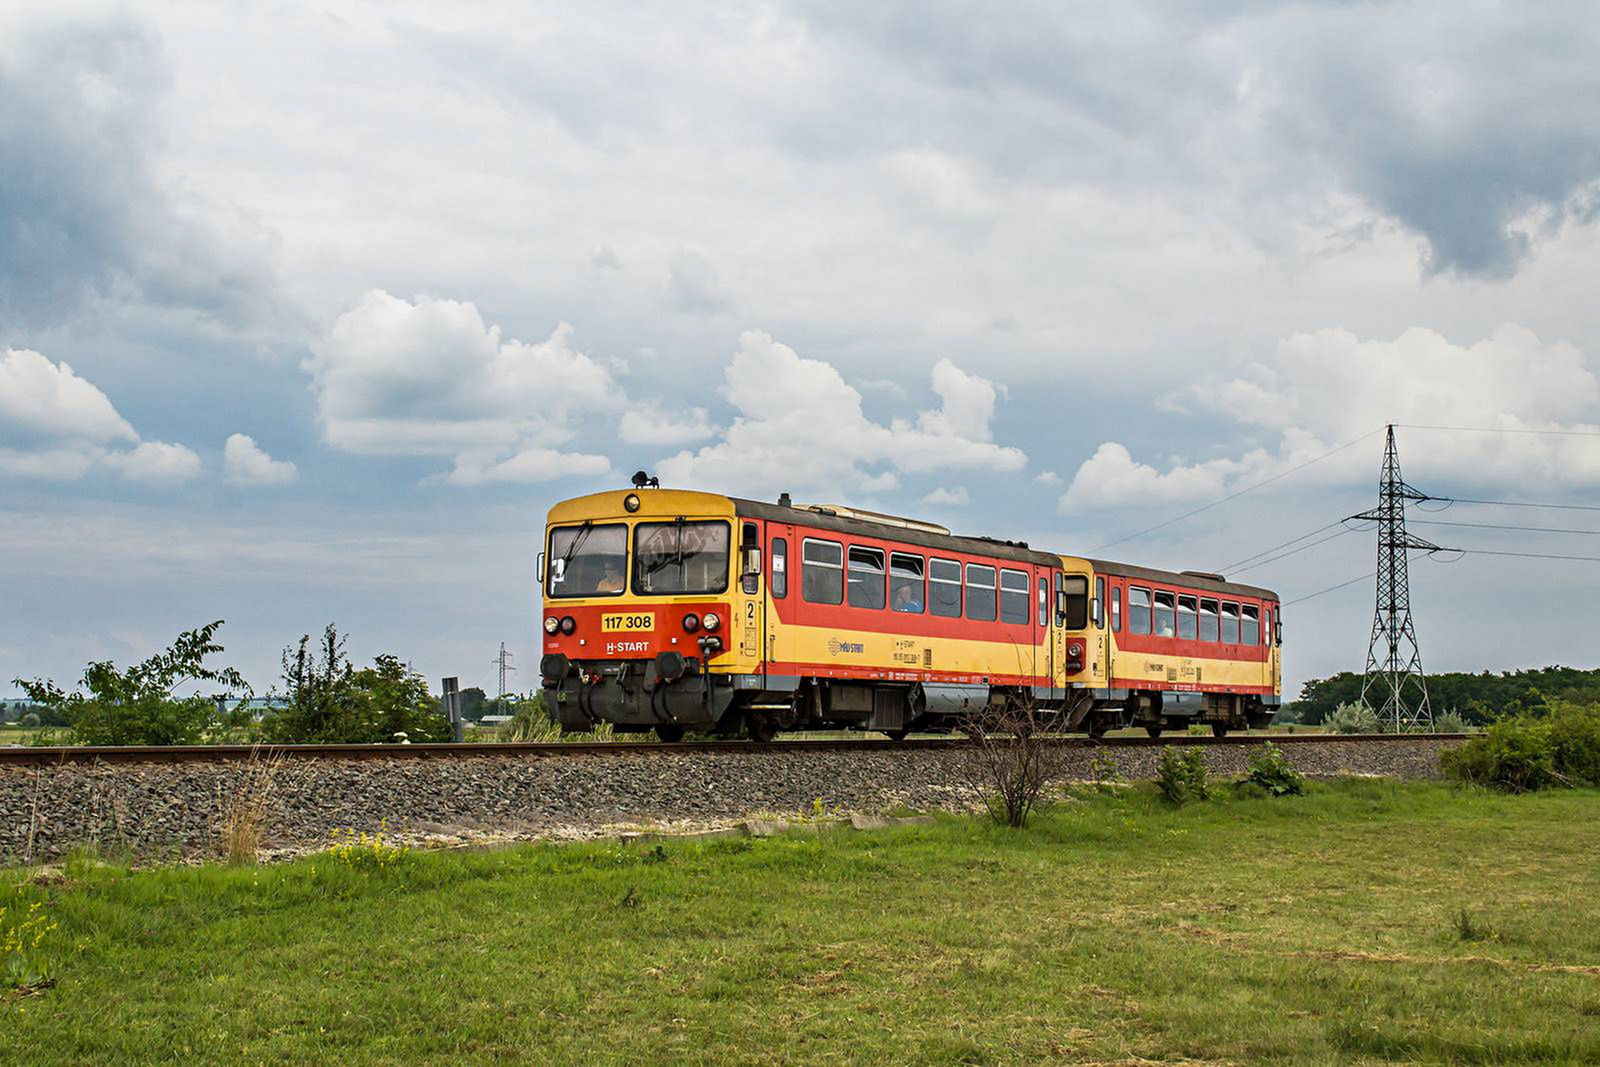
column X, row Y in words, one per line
column 577, row 543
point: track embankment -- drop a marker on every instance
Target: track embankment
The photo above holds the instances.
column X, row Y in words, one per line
column 173, row 802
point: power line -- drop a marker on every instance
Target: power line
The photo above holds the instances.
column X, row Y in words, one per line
column 1524, row 555
column 1499, row 429
column 1294, row 551
column 1517, row 504
column 1236, row 495
column 1274, row 548
column 1331, row 588
column 1502, row 526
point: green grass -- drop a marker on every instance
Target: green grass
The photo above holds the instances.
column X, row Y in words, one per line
column 1317, row 929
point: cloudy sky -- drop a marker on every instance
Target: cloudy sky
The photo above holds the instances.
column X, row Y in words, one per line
column 309, row 311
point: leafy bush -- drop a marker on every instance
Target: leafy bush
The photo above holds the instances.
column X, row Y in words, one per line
column 30, row 720
column 137, row 706
column 1449, row 723
column 1182, row 778
column 1575, row 741
column 1269, row 768
column 1513, row 754
column 531, row 721
column 326, row 700
column 1352, row 719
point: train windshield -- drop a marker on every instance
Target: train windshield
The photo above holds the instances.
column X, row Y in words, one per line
column 680, row 557
column 588, row 560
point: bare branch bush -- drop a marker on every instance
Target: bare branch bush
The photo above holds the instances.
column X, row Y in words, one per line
column 1015, row 755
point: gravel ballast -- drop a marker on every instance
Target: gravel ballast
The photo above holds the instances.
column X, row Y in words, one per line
column 173, row 810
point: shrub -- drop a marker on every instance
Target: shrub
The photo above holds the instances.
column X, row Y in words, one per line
column 1269, row 768
column 1575, row 741
column 1449, row 723
column 326, row 700
column 1513, row 754
column 29, row 720
column 1352, row 719
column 137, row 706
column 1182, row 778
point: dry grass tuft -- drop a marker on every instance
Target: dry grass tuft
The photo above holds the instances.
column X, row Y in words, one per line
column 246, row 811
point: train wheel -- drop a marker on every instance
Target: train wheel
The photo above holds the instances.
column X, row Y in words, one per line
column 669, row 732
column 897, row 735
column 1153, row 729
column 759, row 729
column 1219, row 730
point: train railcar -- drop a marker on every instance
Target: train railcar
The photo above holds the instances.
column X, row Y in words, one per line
column 670, row 610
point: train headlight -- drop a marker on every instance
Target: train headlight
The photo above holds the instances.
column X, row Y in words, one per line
column 551, row 624
column 568, row 624
column 711, row 622
column 631, row 502
column 691, row 623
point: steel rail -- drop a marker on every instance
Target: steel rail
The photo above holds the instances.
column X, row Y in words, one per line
column 44, row 756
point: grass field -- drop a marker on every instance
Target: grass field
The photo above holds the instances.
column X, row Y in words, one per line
column 1318, row 929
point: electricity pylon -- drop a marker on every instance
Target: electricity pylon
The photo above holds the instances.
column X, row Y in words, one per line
column 1394, row 659
column 503, row 662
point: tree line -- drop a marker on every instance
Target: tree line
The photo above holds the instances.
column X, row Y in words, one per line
column 1477, row 699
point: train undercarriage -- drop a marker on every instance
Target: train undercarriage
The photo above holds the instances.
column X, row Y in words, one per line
column 672, row 695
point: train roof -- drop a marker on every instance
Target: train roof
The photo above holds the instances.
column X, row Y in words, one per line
column 911, row 535
column 1186, row 579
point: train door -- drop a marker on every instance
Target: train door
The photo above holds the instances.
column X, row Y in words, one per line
column 750, row 626
column 783, row 561
column 1058, row 635
column 1100, row 668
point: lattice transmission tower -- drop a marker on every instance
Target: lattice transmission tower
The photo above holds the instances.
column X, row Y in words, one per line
column 1393, row 687
column 503, row 661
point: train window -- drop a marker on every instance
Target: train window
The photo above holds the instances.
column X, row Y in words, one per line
column 905, row 583
column 1100, row 603
column 588, row 560
column 866, row 577
column 1165, row 616
column 1188, row 628
column 1250, row 626
column 822, row 571
column 1013, row 596
column 1116, row 609
column 1230, row 623
column 1138, row 610
column 944, row 588
column 1208, row 620
column 980, row 593
column 680, row 557
column 1044, row 602
column 1076, row 588
column 780, row 568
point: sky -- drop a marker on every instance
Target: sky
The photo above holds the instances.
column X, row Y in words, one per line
column 309, row 312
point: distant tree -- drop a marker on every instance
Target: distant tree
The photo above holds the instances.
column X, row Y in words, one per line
column 1478, row 698
column 326, row 700
column 29, row 719
column 138, row 706
column 475, row 703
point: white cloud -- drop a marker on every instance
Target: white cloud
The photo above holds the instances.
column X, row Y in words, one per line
column 693, row 286
column 800, row 426
column 428, row 377
column 650, row 425
column 244, row 463
column 1328, row 387
column 58, row 426
column 1049, row 479
column 51, row 400
column 942, row 497
column 155, row 463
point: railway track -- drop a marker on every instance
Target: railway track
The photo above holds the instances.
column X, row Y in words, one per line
column 41, row 756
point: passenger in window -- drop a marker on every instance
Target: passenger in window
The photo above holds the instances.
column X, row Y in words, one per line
column 907, row 598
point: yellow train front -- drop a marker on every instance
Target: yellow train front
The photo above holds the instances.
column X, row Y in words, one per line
column 669, row 610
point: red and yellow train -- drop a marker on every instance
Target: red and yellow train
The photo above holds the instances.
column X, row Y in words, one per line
column 669, row 610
